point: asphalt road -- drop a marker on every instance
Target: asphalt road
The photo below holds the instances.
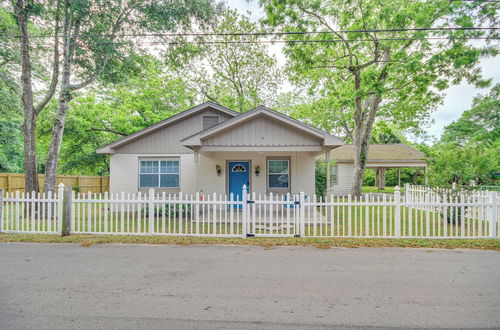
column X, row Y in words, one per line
column 65, row 286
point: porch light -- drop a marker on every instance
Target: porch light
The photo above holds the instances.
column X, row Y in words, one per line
column 218, row 170
column 257, row 170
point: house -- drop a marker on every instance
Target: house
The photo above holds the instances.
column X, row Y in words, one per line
column 212, row 149
column 380, row 157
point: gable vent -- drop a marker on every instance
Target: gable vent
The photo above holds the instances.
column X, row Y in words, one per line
column 210, row 121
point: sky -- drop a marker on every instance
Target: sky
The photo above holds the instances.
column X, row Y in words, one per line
column 458, row 98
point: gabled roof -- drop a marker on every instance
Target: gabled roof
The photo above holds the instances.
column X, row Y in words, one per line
column 170, row 120
column 380, row 152
column 195, row 139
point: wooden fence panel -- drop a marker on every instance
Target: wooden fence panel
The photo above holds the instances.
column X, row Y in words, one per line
column 12, row 182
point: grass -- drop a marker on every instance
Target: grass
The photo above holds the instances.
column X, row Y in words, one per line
column 321, row 243
column 372, row 189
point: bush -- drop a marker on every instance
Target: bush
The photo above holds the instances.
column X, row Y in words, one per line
column 172, row 210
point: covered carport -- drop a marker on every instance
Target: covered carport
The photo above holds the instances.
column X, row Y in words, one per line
column 381, row 157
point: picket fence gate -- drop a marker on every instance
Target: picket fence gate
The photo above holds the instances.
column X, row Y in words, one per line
column 416, row 214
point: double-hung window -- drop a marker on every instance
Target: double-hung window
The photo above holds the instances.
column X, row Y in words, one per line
column 278, row 173
column 159, row 173
column 334, row 170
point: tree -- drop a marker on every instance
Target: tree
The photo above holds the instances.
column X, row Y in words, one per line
column 11, row 145
column 480, row 124
column 367, row 76
column 94, row 45
column 468, row 149
column 109, row 111
column 236, row 73
column 461, row 164
column 24, row 9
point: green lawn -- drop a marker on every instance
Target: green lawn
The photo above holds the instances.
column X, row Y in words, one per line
column 387, row 190
column 322, row 243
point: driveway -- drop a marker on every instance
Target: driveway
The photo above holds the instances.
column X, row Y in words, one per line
column 65, row 286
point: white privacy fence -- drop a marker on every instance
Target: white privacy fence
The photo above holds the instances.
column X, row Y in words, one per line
column 412, row 215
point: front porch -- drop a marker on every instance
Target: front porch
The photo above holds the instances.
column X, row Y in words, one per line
column 263, row 172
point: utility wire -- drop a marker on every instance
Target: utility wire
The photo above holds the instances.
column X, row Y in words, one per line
column 153, row 43
column 269, row 33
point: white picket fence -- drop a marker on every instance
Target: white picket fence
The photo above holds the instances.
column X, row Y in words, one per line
column 412, row 215
column 418, row 191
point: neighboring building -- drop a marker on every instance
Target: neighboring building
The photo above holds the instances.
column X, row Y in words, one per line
column 212, row 149
column 380, row 157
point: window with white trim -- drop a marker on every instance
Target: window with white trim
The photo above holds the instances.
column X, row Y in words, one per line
column 159, row 173
column 278, row 173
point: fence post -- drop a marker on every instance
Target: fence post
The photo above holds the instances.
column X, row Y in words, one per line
column 66, row 219
column 197, row 212
column 244, row 211
column 151, row 209
column 349, row 215
column 60, row 201
column 302, row 214
column 397, row 212
column 1, row 210
column 407, row 191
column 493, row 213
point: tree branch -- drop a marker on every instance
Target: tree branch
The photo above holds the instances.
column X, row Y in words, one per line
column 55, row 70
column 98, row 71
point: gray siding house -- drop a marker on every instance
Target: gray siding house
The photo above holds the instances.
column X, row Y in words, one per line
column 212, row 149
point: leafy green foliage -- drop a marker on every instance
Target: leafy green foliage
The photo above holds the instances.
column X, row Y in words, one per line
column 364, row 77
column 239, row 76
column 451, row 163
column 11, row 153
column 416, row 71
column 113, row 110
column 478, row 126
column 408, row 175
column 469, row 148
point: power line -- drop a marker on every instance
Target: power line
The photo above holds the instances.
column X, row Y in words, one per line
column 200, row 34
column 153, row 43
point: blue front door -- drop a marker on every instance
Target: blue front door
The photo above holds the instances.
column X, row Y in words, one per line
column 238, row 175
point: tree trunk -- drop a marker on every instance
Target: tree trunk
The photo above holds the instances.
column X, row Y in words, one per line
column 69, row 41
column 30, row 162
column 29, row 124
column 381, row 178
column 360, row 156
column 52, row 161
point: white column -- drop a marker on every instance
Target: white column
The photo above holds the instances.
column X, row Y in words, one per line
column 197, row 170
column 426, row 179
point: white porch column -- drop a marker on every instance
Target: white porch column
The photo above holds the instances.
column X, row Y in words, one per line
column 327, row 160
column 399, row 176
column 197, row 170
column 426, row 179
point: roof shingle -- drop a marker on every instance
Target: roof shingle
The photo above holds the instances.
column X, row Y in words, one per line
column 379, row 152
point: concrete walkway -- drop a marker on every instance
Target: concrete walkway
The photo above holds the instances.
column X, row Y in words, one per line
column 65, row 286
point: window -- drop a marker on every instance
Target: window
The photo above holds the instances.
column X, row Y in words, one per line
column 334, row 170
column 238, row 168
column 159, row 174
column 210, row 121
column 278, row 173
